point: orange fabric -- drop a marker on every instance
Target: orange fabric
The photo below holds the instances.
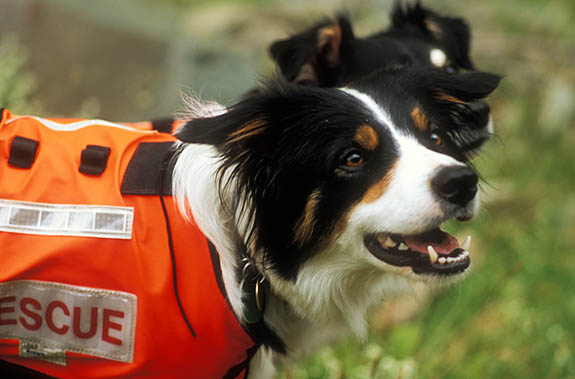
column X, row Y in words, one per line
column 164, row 347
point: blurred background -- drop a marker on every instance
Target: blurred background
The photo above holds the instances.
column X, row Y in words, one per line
column 514, row 315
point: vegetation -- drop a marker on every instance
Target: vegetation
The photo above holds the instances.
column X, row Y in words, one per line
column 16, row 82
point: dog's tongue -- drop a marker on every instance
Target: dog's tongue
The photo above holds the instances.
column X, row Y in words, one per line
column 441, row 241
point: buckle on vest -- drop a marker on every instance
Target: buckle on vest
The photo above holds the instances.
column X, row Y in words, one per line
column 22, row 152
column 94, row 160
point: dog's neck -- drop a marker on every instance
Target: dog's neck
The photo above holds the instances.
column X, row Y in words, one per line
column 332, row 292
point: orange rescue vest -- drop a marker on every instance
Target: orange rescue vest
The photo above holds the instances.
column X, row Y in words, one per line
column 86, row 277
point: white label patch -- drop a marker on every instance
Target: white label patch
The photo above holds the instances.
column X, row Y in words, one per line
column 36, row 350
column 51, row 318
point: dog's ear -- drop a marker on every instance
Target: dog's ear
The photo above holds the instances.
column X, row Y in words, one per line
column 243, row 126
column 451, row 34
column 209, row 131
column 467, row 87
column 313, row 56
column 455, row 37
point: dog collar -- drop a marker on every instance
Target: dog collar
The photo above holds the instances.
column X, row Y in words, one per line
column 252, row 318
column 253, row 286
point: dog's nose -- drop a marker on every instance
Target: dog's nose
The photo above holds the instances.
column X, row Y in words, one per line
column 456, row 184
column 480, row 111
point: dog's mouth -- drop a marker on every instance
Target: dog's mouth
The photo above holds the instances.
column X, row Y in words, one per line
column 432, row 252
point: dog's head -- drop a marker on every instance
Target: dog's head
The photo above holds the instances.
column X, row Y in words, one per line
column 328, row 54
column 368, row 172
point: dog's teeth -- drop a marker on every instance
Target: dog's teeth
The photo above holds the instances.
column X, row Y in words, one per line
column 381, row 239
column 442, row 260
column 432, row 254
column 465, row 245
column 385, row 241
column 403, row 247
column 390, row 243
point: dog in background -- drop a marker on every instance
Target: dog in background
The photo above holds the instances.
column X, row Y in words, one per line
column 329, row 54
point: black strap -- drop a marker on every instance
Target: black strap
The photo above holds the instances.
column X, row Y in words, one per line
column 163, row 125
column 145, row 168
column 94, row 159
column 14, row 371
column 236, row 370
column 22, row 152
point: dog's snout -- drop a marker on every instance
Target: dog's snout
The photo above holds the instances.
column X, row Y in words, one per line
column 480, row 111
column 456, row 184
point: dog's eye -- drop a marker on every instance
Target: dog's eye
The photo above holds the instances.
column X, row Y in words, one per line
column 436, row 138
column 354, row 160
column 450, row 69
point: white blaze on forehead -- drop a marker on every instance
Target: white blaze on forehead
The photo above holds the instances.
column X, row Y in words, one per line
column 437, row 57
column 370, row 103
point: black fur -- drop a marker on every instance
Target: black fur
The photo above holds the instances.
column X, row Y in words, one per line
column 286, row 141
column 414, row 31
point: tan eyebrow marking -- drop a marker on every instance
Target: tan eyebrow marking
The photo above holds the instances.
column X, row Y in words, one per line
column 305, row 226
column 432, row 27
column 449, row 98
column 366, row 137
column 419, row 118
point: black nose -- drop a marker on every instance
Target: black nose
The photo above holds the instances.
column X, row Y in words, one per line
column 456, row 184
column 479, row 113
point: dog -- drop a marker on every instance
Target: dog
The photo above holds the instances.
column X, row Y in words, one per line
column 335, row 197
column 304, row 207
column 329, row 54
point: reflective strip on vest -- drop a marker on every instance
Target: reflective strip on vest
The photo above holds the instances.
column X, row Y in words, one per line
column 66, row 219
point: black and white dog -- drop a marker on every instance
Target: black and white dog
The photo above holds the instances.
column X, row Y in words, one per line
column 329, row 54
column 335, row 197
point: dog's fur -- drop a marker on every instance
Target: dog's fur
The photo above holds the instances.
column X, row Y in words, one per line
column 305, row 179
column 329, row 54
